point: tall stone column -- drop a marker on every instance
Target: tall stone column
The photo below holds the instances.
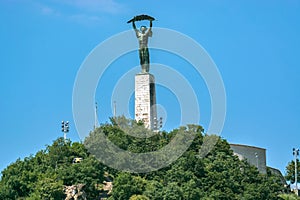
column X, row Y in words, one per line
column 145, row 100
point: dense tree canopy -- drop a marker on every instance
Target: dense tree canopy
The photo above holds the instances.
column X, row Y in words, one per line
column 219, row 175
column 44, row 175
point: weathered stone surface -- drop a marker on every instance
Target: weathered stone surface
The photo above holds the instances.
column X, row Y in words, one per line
column 254, row 155
column 145, row 99
column 75, row 192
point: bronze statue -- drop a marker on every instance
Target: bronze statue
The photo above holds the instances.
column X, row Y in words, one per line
column 143, row 34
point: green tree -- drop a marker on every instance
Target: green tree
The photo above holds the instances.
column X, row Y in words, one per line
column 153, row 190
column 126, row 185
column 42, row 176
column 48, row 188
column 290, row 171
column 172, row 191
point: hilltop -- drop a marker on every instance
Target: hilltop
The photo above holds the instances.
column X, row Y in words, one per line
column 219, row 175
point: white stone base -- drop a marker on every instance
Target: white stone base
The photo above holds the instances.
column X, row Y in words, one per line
column 145, row 99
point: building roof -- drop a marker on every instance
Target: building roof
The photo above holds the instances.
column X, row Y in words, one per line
column 243, row 145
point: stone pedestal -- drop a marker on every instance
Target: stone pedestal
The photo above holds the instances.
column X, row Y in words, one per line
column 145, row 100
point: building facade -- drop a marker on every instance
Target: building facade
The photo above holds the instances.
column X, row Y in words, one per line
column 254, row 155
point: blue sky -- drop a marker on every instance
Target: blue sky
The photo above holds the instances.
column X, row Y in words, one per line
column 255, row 45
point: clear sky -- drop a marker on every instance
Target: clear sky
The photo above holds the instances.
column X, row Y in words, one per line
column 255, row 45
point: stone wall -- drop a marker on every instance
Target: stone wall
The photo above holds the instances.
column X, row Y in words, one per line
column 254, row 155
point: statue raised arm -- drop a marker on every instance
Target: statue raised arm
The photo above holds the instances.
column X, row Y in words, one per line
column 143, row 34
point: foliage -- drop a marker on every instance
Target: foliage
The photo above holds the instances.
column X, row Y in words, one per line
column 138, row 197
column 47, row 187
column 219, row 175
column 288, row 196
column 128, row 186
column 44, row 175
column 290, row 171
